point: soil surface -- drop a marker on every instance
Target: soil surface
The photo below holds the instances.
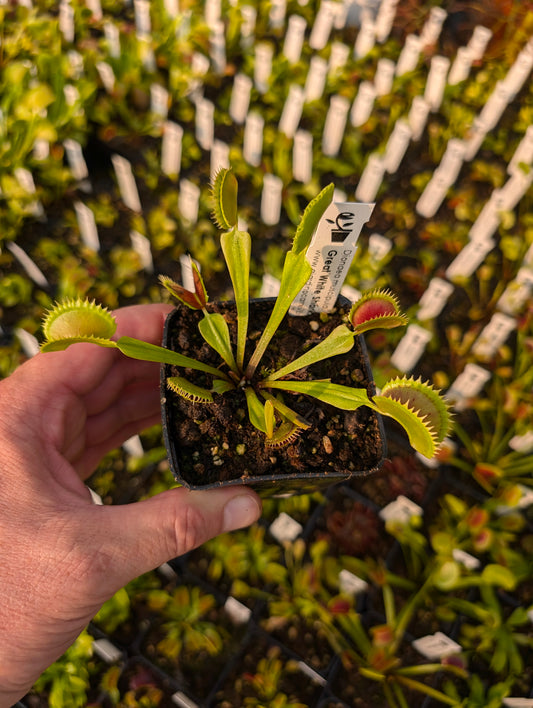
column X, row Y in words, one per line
column 216, row 441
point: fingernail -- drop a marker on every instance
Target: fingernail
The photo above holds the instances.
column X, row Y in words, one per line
column 241, row 511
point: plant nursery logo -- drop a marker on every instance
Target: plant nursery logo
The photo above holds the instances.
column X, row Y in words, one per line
column 343, row 226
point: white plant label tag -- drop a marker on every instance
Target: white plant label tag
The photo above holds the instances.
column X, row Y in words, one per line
column 335, row 125
column 469, row 561
column 478, row 42
column 351, row 584
column 143, row 25
column 316, row 78
column 167, row 571
column 171, row 148
column 338, row 56
column 418, row 116
column 433, row 195
column 66, row 21
column 410, row 347
column 294, row 39
column 401, row 510
column 159, row 99
column 126, row 183
column 269, row 286
column 518, row 702
column 461, row 66
column 172, row 8
column 271, row 200
column 276, row 16
column 263, row 66
column 96, row 8
column 292, row 111
column 436, row 646
column 315, row 677
column 249, row 15
column 496, row 104
column 452, row 160
column 217, row 47
column 240, row 98
column 514, row 189
column 106, row 650
column 517, row 292
column 385, row 19
column 87, row 224
column 378, row 247
column 112, row 37
column 253, row 139
column 363, row 104
column 487, row 220
column 182, row 701
column 41, row 149
column 476, row 136
column 321, row 28
column 189, row 200
column 433, row 26
column 365, row 40
column 469, row 382
column 285, row 528
column 493, row 336
column 330, row 255
column 25, row 178
column 75, row 158
column 436, row 81
column 76, row 63
column 205, row 123
column 371, row 179
column 32, row 270
column 522, row 443
column 29, row 343
column 143, row 248
column 72, row 95
column 219, row 157
column 302, row 156
column 212, row 12
column 523, row 153
column 409, row 56
column 106, row 75
column 384, row 76
column 469, row 259
column 397, row 145
column 187, row 273
column 95, row 497
column 519, row 71
column 434, row 299
column 236, row 611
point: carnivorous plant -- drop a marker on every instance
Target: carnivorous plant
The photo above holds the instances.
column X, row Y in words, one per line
column 414, row 404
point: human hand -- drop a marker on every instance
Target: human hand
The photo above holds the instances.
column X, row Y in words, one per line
column 62, row 556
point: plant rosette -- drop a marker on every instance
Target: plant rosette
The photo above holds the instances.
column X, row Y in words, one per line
column 281, row 375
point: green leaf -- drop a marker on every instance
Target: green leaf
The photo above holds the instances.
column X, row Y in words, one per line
column 286, row 412
column 224, row 192
column 188, row 390
column 136, row 349
column 296, row 272
column 420, row 436
column 495, row 574
column 344, row 397
column 339, row 341
column 214, row 329
column 270, row 419
column 256, row 410
column 59, row 345
column 310, row 219
column 237, row 248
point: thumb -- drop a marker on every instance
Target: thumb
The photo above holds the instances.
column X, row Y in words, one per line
column 146, row 534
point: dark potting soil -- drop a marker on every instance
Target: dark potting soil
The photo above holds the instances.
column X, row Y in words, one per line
column 216, row 441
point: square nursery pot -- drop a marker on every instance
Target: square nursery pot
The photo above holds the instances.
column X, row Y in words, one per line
column 214, row 444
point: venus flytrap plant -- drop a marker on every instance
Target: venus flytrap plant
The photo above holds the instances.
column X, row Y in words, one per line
column 414, row 404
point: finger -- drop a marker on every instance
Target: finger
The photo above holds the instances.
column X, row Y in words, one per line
column 136, row 538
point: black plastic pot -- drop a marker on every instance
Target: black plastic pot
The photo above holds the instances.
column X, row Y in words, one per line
column 288, row 473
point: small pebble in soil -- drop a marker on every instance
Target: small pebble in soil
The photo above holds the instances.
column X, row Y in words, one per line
column 326, row 442
column 314, row 325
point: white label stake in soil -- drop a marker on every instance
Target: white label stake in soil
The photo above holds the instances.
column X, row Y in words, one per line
column 330, row 254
